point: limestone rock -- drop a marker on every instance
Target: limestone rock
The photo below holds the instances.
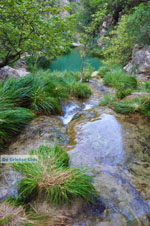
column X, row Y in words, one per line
column 8, row 72
column 135, row 95
column 94, row 74
column 140, row 63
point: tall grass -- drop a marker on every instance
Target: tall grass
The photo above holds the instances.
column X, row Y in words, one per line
column 51, row 178
column 141, row 105
column 12, row 121
column 116, row 77
column 39, row 93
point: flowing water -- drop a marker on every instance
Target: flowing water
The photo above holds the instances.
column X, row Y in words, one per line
column 116, row 150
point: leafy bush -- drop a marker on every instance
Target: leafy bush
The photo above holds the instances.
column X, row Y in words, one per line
column 120, row 44
column 52, row 179
column 138, row 24
column 132, row 29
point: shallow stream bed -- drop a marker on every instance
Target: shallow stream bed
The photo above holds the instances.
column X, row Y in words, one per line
column 115, row 148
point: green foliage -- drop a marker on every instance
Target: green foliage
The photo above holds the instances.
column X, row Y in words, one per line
column 132, row 29
column 125, row 107
column 120, row 44
column 79, row 90
column 140, row 104
column 52, row 179
column 118, row 79
column 106, row 101
column 96, row 52
column 138, row 24
column 12, row 121
column 104, row 70
column 123, row 93
column 40, row 93
column 5, row 221
column 34, row 27
column 147, row 86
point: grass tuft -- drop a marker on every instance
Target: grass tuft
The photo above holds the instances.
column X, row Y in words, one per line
column 39, row 93
column 52, row 179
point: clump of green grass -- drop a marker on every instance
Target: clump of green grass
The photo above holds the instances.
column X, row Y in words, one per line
column 52, row 179
column 116, row 77
column 147, row 86
column 141, row 105
column 103, row 70
column 12, row 121
column 108, row 100
column 126, row 107
column 39, row 93
column 121, row 93
column 79, row 90
column 145, row 105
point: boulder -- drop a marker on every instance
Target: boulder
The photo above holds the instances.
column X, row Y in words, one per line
column 140, row 63
column 8, row 72
column 94, row 74
column 135, row 95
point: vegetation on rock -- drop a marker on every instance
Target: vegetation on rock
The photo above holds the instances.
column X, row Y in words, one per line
column 51, row 178
column 39, row 93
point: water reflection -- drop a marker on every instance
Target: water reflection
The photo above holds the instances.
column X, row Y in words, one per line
column 99, row 142
column 113, row 147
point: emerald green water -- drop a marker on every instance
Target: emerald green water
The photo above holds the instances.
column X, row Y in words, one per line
column 72, row 62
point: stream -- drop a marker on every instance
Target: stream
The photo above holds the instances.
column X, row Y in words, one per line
column 115, row 148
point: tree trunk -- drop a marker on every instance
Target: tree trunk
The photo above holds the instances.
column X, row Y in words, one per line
column 9, row 59
column 82, row 68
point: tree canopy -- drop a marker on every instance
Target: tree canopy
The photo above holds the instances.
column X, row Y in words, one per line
column 31, row 26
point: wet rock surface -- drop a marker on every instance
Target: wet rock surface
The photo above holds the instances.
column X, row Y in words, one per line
column 114, row 147
column 43, row 130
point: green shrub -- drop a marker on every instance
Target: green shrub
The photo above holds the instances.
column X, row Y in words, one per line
column 51, row 178
column 43, row 62
column 104, row 70
column 120, row 44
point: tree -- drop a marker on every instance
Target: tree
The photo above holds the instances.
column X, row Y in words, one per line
column 87, row 36
column 31, row 26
